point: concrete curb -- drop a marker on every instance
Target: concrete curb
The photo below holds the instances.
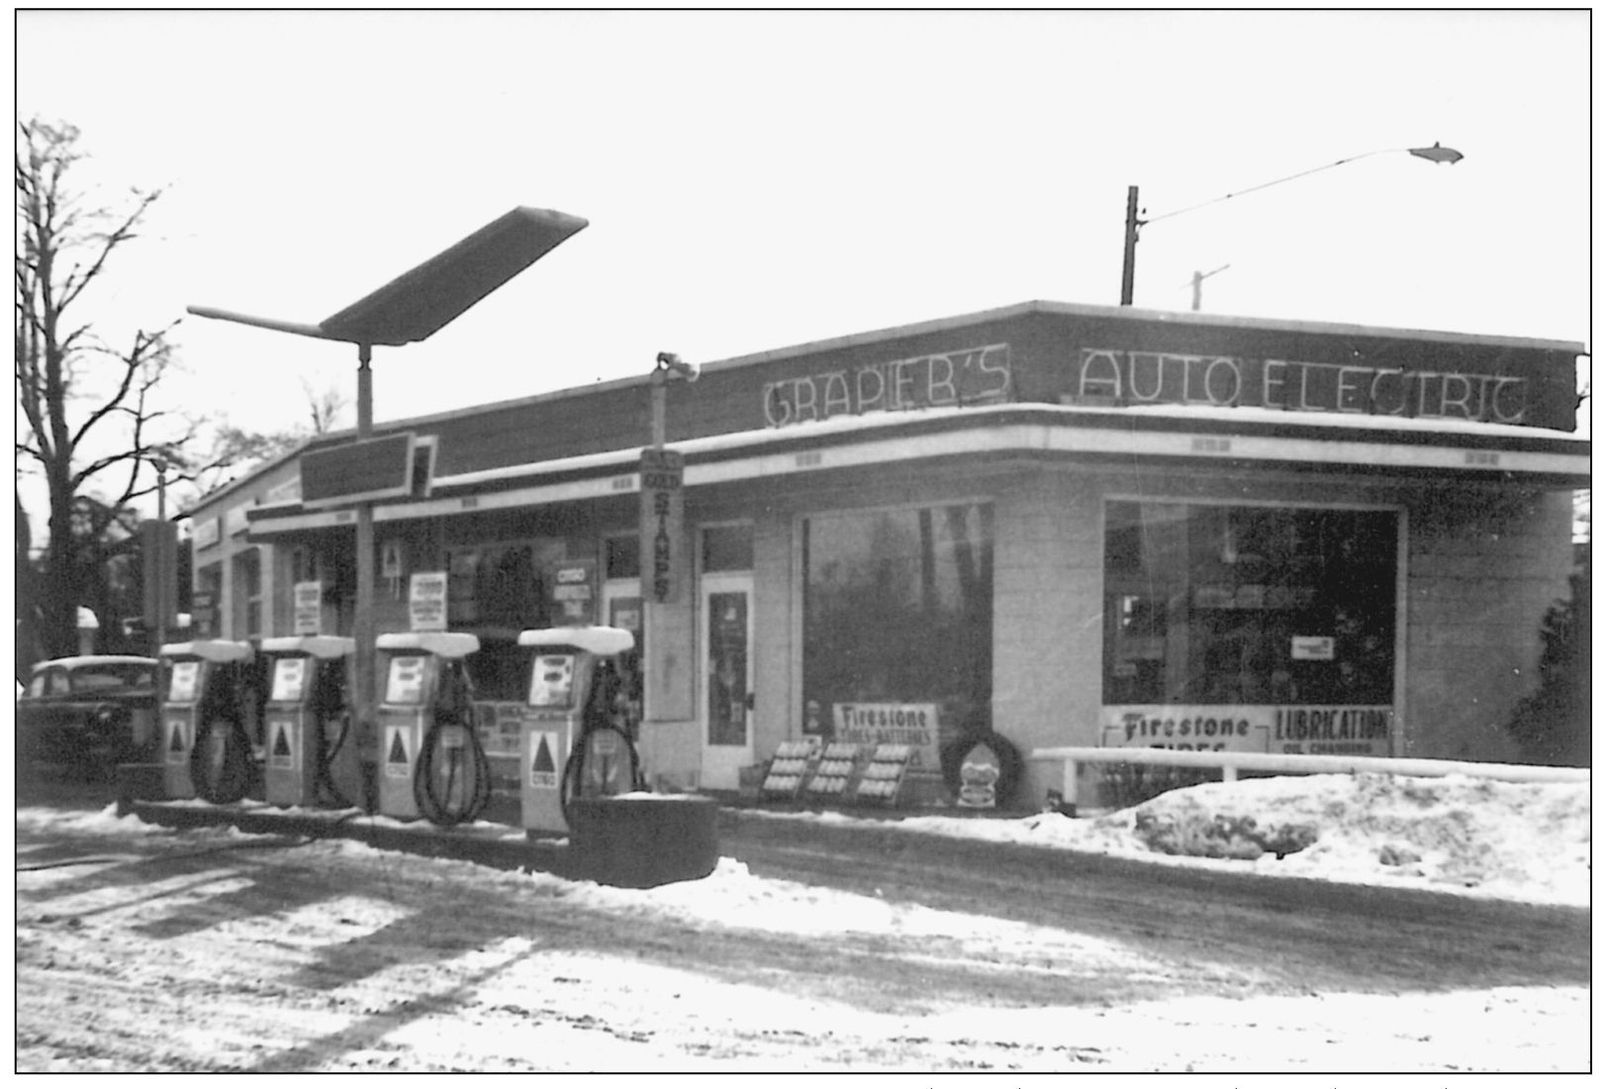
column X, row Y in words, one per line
column 627, row 841
column 499, row 847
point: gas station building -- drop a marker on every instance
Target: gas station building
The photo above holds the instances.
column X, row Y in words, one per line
column 1067, row 524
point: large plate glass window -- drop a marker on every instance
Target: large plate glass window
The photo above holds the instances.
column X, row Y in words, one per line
column 898, row 623
column 1283, row 617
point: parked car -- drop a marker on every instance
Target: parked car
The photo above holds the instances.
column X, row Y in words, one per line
column 89, row 712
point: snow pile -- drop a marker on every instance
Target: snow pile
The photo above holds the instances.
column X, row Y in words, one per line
column 1527, row 841
column 99, row 822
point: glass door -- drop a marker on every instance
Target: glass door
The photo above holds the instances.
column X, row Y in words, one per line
column 622, row 608
column 726, row 686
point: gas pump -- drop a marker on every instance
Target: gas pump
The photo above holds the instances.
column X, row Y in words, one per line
column 206, row 739
column 309, row 719
column 574, row 739
column 432, row 763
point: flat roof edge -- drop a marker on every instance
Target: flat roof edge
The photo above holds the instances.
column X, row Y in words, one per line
column 978, row 317
column 1291, row 325
column 895, row 332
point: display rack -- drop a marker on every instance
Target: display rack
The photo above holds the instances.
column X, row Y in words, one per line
column 884, row 774
column 834, row 772
column 789, row 769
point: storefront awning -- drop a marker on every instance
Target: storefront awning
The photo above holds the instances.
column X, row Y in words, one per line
column 1234, row 439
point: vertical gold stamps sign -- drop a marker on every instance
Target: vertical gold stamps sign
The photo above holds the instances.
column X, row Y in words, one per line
column 661, row 526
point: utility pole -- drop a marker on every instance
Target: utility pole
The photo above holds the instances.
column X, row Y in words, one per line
column 1195, row 286
column 1131, row 238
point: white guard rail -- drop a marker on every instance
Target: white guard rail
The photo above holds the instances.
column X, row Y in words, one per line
column 1071, row 756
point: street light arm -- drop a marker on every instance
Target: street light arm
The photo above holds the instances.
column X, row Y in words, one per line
column 300, row 328
column 1293, row 177
column 1134, row 221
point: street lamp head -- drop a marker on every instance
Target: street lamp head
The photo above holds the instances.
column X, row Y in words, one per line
column 1436, row 153
column 670, row 361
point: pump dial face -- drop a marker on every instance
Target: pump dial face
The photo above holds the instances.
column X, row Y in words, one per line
column 552, row 679
column 290, row 679
column 182, row 683
column 405, row 680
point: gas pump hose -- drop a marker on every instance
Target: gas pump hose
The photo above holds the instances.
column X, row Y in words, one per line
column 234, row 777
column 440, row 810
column 324, row 760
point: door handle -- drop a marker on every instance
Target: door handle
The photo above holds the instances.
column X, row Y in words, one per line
column 748, row 701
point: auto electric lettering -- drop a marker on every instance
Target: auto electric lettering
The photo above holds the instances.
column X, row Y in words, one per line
column 1223, row 381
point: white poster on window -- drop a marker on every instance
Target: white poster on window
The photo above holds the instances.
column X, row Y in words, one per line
column 427, row 601
column 1313, row 648
column 308, row 598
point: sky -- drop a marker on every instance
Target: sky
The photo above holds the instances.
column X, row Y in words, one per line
column 756, row 179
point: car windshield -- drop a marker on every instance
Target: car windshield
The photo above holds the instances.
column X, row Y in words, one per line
column 113, row 675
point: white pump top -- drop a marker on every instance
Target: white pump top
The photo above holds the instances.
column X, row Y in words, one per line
column 597, row 639
column 211, row 650
column 317, row 646
column 444, row 644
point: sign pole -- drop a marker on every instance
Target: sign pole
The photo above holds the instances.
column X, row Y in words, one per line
column 659, row 517
column 166, row 567
column 363, row 607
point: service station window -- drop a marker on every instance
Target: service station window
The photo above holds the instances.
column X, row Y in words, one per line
column 249, row 593
column 622, row 556
column 898, row 621
column 1249, row 605
column 496, row 584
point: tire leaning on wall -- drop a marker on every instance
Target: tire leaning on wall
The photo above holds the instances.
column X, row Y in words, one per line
column 1006, row 754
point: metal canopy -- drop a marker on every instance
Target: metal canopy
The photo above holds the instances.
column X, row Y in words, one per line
column 423, row 299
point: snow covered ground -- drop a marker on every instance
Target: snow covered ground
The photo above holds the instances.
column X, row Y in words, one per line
column 1470, row 837
column 1521, row 841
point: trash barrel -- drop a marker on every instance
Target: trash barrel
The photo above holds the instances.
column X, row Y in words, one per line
column 641, row 840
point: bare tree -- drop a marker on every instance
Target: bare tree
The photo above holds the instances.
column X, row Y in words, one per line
column 235, row 450
column 325, row 407
column 91, row 426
